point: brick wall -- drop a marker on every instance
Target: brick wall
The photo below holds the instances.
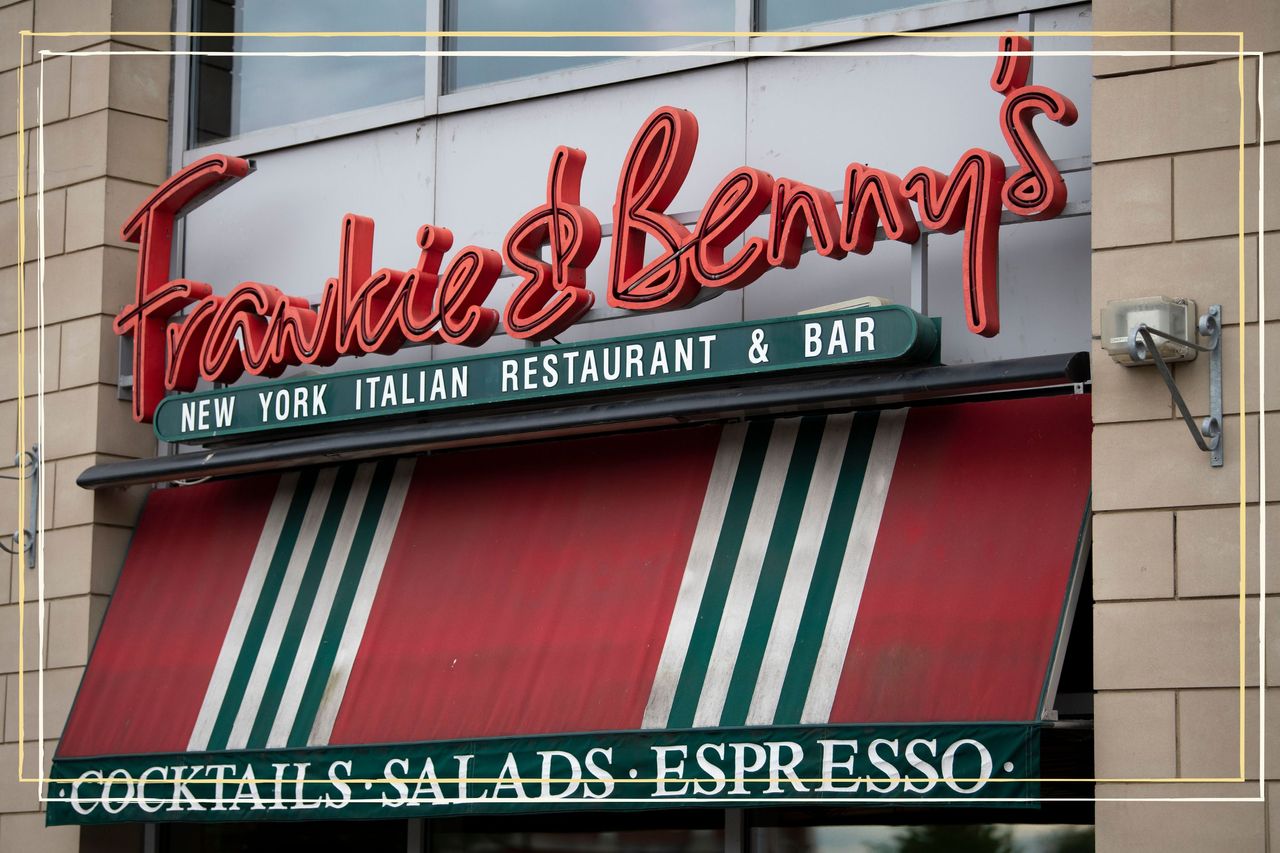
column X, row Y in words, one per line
column 1166, row 549
column 105, row 147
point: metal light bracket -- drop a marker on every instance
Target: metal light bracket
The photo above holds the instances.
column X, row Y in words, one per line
column 28, row 463
column 1142, row 346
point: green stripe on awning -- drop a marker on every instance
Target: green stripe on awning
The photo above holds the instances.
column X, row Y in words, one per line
column 322, row 667
column 239, row 680
column 283, row 664
column 702, row 641
column 826, row 572
column 773, row 572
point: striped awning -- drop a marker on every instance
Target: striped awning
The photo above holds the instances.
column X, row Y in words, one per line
column 903, row 571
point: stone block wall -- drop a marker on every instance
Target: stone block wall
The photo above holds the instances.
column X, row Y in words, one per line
column 106, row 138
column 1166, row 527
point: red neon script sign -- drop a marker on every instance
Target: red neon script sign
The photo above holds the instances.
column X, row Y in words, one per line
column 258, row 329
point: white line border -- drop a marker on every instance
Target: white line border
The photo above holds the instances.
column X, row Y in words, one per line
column 1260, row 145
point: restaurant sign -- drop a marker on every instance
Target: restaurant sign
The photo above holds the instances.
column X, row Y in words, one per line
column 877, row 335
column 906, row 763
column 655, row 261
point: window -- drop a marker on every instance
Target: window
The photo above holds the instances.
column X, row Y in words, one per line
column 248, row 98
column 568, row 840
column 925, row 838
column 241, row 94
column 786, row 14
column 369, row 836
column 567, row 15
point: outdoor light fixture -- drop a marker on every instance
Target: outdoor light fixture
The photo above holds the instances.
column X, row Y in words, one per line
column 1130, row 328
column 1175, row 316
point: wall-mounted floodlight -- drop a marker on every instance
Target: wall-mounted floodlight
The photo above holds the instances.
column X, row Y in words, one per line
column 1130, row 328
column 1175, row 316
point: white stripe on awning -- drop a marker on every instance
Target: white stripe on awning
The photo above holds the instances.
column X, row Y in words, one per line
column 267, row 651
column 746, row 573
column 853, row 569
column 698, row 566
column 249, row 592
column 358, row 616
column 320, row 607
column 804, row 556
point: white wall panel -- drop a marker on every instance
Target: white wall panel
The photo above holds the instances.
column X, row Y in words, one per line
column 280, row 225
column 802, row 116
column 1044, row 292
column 493, row 163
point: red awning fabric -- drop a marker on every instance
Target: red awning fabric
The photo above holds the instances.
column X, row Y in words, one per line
column 903, row 566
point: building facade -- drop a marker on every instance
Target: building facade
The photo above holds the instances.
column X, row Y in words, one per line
column 1143, row 685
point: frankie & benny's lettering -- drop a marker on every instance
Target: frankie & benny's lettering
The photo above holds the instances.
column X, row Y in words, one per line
column 258, row 329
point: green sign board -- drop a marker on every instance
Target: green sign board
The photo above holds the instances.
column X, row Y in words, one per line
column 867, row 336
column 906, row 763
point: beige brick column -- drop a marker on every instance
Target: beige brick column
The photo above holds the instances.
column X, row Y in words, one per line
column 1166, row 536
column 105, row 147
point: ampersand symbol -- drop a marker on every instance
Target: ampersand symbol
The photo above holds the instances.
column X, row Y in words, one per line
column 552, row 296
column 759, row 353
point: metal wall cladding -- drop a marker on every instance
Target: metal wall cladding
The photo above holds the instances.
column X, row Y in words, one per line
column 805, row 117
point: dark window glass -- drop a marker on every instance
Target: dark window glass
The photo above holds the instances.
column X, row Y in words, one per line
column 568, row 16
column 678, row 831
column 785, row 14
column 366, row 836
column 235, row 95
column 932, row 838
column 625, row 841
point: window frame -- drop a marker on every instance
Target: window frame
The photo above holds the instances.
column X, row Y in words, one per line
column 436, row 102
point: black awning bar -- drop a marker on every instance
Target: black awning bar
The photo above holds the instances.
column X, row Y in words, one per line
column 765, row 396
